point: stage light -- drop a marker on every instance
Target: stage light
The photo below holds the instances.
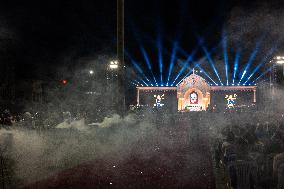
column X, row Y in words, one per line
column 280, row 62
column 91, row 72
column 113, row 64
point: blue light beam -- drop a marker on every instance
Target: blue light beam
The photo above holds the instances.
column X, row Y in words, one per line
column 160, row 56
column 189, row 59
column 236, row 64
column 251, row 58
column 207, row 54
column 146, row 58
column 138, row 68
column 263, row 61
column 262, row 75
column 225, row 54
column 173, row 57
column 185, row 65
column 204, row 72
column 200, row 61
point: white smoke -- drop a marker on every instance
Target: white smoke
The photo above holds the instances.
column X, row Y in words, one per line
column 42, row 153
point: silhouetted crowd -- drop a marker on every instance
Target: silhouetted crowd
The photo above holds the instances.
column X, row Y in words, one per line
column 251, row 156
column 37, row 120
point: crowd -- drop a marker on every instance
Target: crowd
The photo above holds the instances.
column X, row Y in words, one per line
column 34, row 120
column 252, row 156
column 47, row 119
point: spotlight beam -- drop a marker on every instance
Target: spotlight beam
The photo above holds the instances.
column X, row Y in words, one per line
column 199, row 63
column 173, row 57
column 179, row 49
column 225, row 54
column 185, row 65
column 262, row 75
column 191, row 55
column 143, row 51
column 203, row 71
column 146, row 57
column 251, row 58
column 133, row 74
column 207, row 54
column 137, row 67
column 236, row 64
column 263, row 61
column 160, row 58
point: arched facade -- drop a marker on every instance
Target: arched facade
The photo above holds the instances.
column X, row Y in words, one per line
column 193, row 94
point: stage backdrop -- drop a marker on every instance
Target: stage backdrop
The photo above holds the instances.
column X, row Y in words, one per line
column 158, row 97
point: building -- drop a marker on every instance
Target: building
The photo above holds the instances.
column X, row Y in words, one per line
column 195, row 94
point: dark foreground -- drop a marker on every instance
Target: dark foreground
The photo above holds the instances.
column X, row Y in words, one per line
column 183, row 163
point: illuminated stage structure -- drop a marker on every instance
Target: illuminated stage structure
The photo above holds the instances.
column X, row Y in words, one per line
column 195, row 94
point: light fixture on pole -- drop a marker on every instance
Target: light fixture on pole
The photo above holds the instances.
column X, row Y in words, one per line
column 280, row 61
column 113, row 64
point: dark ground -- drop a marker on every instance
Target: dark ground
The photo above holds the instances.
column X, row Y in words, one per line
column 184, row 164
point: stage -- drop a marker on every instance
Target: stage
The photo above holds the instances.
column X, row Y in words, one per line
column 195, row 94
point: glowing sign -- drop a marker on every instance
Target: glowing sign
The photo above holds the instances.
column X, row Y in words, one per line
column 193, row 98
column 194, row 108
column 158, row 100
column 231, row 100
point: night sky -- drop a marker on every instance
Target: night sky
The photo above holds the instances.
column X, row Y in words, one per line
column 37, row 36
